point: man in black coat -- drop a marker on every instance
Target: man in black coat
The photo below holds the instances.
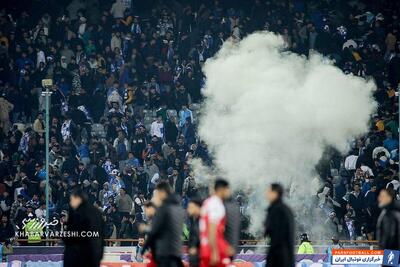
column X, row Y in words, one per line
column 6, row 229
column 232, row 226
column 85, row 220
column 279, row 227
column 388, row 227
column 165, row 236
column 193, row 210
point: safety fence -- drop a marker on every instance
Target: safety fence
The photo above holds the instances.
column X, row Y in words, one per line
column 245, row 246
column 371, row 244
column 103, row 264
column 252, row 253
column 256, row 260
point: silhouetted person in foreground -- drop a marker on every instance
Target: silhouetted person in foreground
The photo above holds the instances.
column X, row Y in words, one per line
column 86, row 221
column 193, row 210
column 279, row 227
column 215, row 250
column 165, row 235
column 388, row 227
column 232, row 226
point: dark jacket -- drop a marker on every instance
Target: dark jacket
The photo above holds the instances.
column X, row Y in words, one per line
column 84, row 251
column 171, row 132
column 165, row 236
column 194, row 241
column 357, row 202
column 388, row 227
column 279, row 227
column 6, row 232
column 194, row 233
column 232, row 226
column 129, row 230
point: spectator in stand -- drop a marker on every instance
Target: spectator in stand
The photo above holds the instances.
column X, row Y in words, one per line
column 157, row 128
column 357, row 202
column 184, row 115
column 124, row 203
column 372, row 210
column 117, row 9
column 139, row 201
column 38, row 125
column 390, row 143
column 40, row 212
column 5, row 108
column 189, row 186
column 129, row 229
column 6, row 229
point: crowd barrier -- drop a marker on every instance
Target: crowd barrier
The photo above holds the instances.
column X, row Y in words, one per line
column 124, row 256
column 131, row 264
column 242, row 243
column 103, row 264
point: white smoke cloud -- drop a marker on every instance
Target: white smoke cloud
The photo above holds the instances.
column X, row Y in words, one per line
column 269, row 114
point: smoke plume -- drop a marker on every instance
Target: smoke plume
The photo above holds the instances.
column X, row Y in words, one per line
column 269, row 114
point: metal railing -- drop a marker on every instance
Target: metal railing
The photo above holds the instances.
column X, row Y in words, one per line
column 242, row 243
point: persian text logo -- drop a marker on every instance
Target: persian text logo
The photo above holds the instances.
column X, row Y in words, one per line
column 354, row 256
column 36, row 223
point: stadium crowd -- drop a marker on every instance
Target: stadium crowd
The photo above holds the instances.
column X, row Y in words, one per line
column 127, row 87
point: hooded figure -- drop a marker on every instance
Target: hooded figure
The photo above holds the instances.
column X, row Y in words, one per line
column 279, row 227
column 83, row 250
column 232, row 226
column 388, row 227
